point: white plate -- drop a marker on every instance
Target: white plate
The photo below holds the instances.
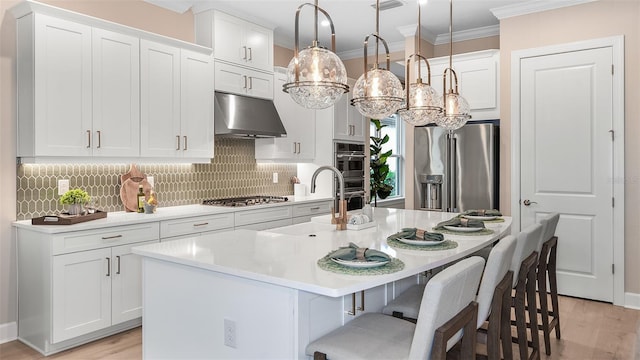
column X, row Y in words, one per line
column 359, row 263
column 420, row 242
column 463, row 229
column 476, row 217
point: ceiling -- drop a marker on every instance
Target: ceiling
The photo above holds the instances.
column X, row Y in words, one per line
column 354, row 19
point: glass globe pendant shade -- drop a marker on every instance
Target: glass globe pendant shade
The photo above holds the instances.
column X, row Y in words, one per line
column 456, row 112
column 321, row 81
column 423, row 104
column 377, row 94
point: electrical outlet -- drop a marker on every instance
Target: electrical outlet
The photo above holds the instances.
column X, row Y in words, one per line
column 151, row 180
column 63, row 186
column 230, row 333
column 275, row 178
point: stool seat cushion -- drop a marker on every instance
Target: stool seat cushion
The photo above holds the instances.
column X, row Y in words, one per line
column 369, row 336
column 408, row 303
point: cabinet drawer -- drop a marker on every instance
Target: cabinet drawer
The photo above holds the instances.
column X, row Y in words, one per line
column 266, row 225
column 195, row 225
column 262, row 215
column 314, row 209
column 95, row 239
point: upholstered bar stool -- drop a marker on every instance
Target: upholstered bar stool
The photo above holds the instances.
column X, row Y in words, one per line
column 446, row 308
column 523, row 265
column 550, row 318
column 495, row 284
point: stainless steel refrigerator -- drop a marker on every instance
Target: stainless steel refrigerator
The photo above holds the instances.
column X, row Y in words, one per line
column 457, row 171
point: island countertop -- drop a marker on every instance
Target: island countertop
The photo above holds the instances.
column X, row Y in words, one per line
column 288, row 256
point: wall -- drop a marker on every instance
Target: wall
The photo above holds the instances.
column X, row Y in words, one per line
column 576, row 23
column 232, row 172
column 461, row 47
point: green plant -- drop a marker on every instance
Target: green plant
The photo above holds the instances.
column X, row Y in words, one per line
column 75, row 196
column 378, row 164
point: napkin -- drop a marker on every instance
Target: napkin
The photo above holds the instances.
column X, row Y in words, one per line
column 417, row 234
column 353, row 252
column 490, row 212
column 459, row 223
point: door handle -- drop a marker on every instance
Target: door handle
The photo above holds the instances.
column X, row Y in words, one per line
column 527, row 202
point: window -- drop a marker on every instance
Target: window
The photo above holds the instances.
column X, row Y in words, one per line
column 395, row 129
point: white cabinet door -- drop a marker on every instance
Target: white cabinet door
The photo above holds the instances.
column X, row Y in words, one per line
column 81, row 284
column 243, row 81
column 259, row 84
column 126, row 283
column 242, row 42
column 62, row 94
column 116, row 94
column 159, row 100
column 299, row 122
column 196, row 120
column 348, row 123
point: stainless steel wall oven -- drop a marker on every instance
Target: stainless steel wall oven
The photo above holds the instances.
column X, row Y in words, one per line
column 350, row 160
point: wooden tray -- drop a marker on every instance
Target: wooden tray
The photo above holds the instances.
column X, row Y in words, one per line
column 66, row 219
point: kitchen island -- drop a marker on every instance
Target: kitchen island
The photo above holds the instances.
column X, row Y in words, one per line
column 261, row 294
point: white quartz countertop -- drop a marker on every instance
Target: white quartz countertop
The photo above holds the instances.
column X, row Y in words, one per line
column 287, row 256
column 120, row 218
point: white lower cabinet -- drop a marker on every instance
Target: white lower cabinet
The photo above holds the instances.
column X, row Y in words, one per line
column 77, row 286
column 304, row 212
column 263, row 218
column 190, row 226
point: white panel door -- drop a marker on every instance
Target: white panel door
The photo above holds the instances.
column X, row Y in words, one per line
column 259, row 46
column 81, row 293
column 566, row 162
column 159, row 100
column 126, row 284
column 196, row 97
column 62, row 87
column 116, row 94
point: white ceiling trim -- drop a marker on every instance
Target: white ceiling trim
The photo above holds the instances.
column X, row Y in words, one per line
column 179, row 7
column 531, row 7
column 462, row 35
column 410, row 31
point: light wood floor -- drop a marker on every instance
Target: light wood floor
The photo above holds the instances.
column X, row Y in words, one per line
column 590, row 330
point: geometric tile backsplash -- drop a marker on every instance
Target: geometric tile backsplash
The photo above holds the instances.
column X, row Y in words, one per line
column 232, row 172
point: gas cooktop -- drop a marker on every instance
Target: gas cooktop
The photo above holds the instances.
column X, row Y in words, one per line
column 246, row 201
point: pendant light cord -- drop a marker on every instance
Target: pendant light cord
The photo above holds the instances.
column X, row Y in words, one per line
column 450, row 41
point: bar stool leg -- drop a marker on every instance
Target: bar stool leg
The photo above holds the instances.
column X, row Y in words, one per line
column 533, row 313
column 542, row 294
column 553, row 287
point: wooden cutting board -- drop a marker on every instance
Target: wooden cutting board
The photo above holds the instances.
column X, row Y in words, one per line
column 133, row 173
column 129, row 193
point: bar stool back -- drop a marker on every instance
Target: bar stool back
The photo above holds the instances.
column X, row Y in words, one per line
column 550, row 318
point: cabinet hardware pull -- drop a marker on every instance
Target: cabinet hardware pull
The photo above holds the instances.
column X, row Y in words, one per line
column 244, row 48
column 185, row 142
column 294, row 146
column 361, row 308
column 245, row 81
column 250, row 54
column 111, row 237
column 250, row 82
column 177, row 142
column 315, row 208
column 108, row 267
column 89, row 138
column 297, row 148
column 201, row 224
column 349, row 130
column 118, row 271
column 99, row 139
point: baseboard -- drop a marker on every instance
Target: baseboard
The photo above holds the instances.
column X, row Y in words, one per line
column 632, row 300
column 8, row 332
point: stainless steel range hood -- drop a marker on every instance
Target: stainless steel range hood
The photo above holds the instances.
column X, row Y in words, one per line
column 246, row 117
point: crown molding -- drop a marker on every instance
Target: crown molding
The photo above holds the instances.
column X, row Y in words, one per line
column 530, row 7
column 410, row 31
column 176, row 6
column 477, row 33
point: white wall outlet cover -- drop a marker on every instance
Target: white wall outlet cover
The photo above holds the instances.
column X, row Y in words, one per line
column 230, row 333
column 275, row 178
column 63, row 186
column 151, row 180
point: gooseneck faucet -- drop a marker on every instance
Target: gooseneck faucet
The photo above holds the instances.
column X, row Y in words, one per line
column 341, row 220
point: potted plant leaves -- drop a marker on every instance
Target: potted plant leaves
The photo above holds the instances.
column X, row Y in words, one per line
column 378, row 164
column 75, row 198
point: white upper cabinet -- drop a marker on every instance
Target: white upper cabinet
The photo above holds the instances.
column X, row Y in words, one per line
column 235, row 40
column 116, row 94
column 478, row 80
column 243, row 81
column 348, row 123
column 89, row 90
column 299, row 122
column 177, row 102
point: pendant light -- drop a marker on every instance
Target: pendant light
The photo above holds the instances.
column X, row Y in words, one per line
column 316, row 77
column 456, row 108
column 423, row 102
column 378, row 93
